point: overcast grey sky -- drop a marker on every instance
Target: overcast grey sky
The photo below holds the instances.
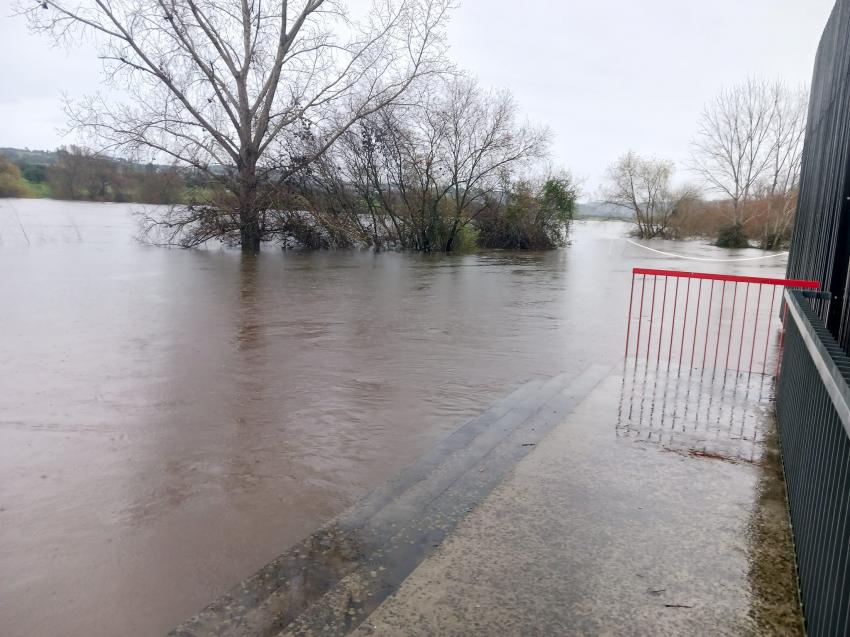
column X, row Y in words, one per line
column 605, row 75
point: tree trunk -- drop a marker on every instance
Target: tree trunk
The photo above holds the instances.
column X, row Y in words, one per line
column 249, row 217
column 249, row 229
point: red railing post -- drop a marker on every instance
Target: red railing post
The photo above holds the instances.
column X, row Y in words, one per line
column 731, row 326
column 651, row 318
column 719, row 325
column 640, row 317
column 629, row 324
column 696, row 322
column 755, row 326
column 673, row 321
column 743, row 327
column 707, row 325
column 661, row 326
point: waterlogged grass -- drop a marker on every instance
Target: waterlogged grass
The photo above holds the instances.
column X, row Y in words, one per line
column 39, row 190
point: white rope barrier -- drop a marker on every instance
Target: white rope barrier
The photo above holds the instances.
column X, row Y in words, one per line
column 683, row 256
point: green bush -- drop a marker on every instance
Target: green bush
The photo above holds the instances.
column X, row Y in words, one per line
column 12, row 184
column 732, row 236
column 533, row 216
column 466, row 238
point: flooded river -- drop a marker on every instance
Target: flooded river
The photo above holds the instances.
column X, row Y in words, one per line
column 171, row 420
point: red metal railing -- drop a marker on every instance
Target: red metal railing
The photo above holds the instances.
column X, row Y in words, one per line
column 689, row 337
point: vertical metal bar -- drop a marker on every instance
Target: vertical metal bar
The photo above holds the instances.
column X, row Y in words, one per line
column 743, row 326
column 640, row 317
column 839, row 551
column 629, row 324
column 755, row 326
column 684, row 324
column 673, row 321
column 719, row 325
column 731, row 325
column 696, row 323
column 767, row 338
column 707, row 325
column 661, row 325
column 781, row 339
column 651, row 317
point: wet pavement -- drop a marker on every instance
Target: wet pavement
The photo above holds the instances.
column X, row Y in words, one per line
column 542, row 518
column 599, row 534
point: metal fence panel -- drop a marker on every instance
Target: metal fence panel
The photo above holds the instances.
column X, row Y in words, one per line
column 813, row 408
column 821, row 238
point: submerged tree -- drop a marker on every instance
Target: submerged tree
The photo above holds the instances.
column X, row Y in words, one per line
column 644, row 187
column 532, row 214
column 247, row 92
column 417, row 175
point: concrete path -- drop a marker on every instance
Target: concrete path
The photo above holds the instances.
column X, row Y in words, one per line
column 597, row 503
column 596, row 533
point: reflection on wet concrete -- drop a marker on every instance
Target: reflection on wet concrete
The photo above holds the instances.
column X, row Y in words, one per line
column 715, row 415
column 728, row 417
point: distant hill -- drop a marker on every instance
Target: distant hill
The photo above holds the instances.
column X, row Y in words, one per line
column 27, row 156
column 602, row 210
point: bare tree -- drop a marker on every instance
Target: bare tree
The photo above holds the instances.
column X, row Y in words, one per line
column 643, row 186
column 422, row 172
column 78, row 173
column 247, row 91
column 481, row 140
column 780, row 183
column 749, row 145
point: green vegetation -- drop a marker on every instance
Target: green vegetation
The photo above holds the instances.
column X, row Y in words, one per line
column 40, row 190
column 319, row 213
column 12, row 183
column 732, row 236
column 75, row 173
column 533, row 216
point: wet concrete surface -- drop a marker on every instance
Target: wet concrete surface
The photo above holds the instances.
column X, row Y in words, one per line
column 541, row 518
column 339, row 575
column 171, row 421
column 598, row 534
column 696, row 413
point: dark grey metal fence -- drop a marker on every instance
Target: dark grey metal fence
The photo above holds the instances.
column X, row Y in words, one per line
column 821, row 240
column 813, row 406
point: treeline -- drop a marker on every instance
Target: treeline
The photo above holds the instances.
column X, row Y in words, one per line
column 449, row 174
column 766, row 222
column 444, row 172
column 441, row 174
column 317, row 126
column 78, row 174
column 746, row 157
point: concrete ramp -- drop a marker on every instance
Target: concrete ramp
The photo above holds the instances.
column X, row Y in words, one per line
column 332, row 581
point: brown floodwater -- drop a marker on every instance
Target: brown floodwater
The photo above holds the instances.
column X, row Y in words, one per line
column 172, row 420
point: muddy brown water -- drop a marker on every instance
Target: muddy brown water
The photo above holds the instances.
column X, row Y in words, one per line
column 171, row 420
